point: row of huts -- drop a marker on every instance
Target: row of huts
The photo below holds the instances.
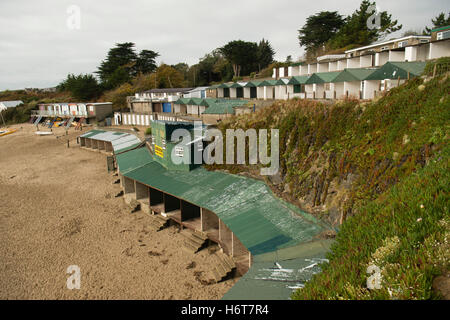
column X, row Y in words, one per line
column 360, row 83
column 239, row 214
column 91, row 112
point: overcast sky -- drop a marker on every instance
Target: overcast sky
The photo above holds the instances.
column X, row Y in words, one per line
column 38, row 49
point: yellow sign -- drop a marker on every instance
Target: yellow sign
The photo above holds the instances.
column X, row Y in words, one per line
column 159, row 151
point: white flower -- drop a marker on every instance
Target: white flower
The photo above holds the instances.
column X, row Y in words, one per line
column 421, row 206
column 420, row 219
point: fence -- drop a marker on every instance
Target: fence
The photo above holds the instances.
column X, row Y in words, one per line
column 133, row 119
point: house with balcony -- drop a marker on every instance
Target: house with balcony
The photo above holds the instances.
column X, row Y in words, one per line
column 155, row 100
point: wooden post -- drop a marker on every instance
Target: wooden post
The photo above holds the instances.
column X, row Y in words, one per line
column 434, row 70
column 408, row 75
column 398, row 81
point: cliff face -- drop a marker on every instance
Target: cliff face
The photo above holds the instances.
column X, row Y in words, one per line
column 335, row 157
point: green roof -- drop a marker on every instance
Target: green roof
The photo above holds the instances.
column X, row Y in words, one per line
column 394, row 70
column 182, row 101
column 195, row 101
column 127, row 148
column 322, row 77
column 214, row 86
column 440, row 28
column 268, row 83
column 219, row 108
column 237, row 85
column 253, row 83
column 353, row 74
column 298, row 80
column 92, row 133
column 133, row 159
column 261, row 221
column 225, row 85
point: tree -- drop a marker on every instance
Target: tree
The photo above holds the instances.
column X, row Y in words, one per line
column 241, row 55
column 319, row 29
column 355, row 30
column 122, row 64
column 438, row 22
column 265, row 54
column 145, row 62
column 123, row 57
column 83, row 87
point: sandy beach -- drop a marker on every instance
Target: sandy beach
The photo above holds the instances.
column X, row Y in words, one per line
column 58, row 208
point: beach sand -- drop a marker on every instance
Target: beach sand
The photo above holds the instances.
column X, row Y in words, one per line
column 58, row 208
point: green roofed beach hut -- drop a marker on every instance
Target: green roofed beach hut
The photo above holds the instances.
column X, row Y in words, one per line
column 320, row 85
column 393, row 74
column 296, row 86
column 351, row 82
column 180, row 106
column 251, row 90
column 396, row 70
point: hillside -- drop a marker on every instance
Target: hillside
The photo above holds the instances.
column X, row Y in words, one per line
column 373, row 170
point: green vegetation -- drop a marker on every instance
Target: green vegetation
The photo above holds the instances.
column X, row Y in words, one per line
column 381, row 168
column 327, row 31
column 82, row 87
column 404, row 232
column 122, row 64
column 30, row 99
column 438, row 22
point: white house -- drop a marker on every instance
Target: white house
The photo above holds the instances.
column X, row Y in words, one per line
column 10, row 104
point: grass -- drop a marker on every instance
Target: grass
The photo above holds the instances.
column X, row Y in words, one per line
column 415, row 214
column 395, row 210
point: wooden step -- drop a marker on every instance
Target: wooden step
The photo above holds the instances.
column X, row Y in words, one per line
column 222, row 270
column 193, row 241
column 225, row 265
column 189, row 247
column 158, row 222
column 190, row 237
column 200, row 235
column 216, row 276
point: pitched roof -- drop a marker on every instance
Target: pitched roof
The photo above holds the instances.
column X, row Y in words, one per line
column 268, row 83
column 225, row 85
column 195, row 101
column 322, row 77
column 395, row 70
column 120, row 141
column 182, row 101
column 298, row 80
column 12, row 103
column 353, row 74
column 253, row 83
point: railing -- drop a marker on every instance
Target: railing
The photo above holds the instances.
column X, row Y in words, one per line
column 51, row 113
column 143, row 119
